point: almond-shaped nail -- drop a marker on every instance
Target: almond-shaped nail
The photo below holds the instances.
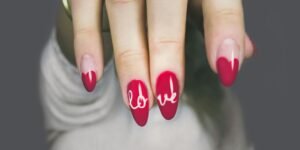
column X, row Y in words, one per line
column 138, row 101
column 228, row 62
column 88, row 72
column 167, row 94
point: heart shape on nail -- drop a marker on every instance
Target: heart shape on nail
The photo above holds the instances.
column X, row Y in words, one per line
column 227, row 70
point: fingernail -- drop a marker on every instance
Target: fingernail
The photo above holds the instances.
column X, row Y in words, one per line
column 167, row 94
column 138, row 101
column 88, row 73
column 228, row 62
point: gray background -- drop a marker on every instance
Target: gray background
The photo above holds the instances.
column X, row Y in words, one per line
column 267, row 85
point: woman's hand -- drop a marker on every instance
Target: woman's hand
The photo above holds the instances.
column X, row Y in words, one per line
column 150, row 60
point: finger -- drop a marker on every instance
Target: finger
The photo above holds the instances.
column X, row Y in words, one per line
column 128, row 36
column 87, row 40
column 249, row 47
column 166, row 31
column 195, row 7
column 224, row 37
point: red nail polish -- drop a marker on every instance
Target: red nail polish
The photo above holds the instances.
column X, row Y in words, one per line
column 167, row 94
column 138, row 101
column 88, row 73
column 227, row 70
column 89, row 80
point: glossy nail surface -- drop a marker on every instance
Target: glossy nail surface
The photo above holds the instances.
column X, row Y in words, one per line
column 88, row 73
column 167, row 94
column 89, row 80
column 138, row 101
column 228, row 62
column 227, row 70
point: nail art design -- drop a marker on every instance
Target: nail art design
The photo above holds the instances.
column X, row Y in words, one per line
column 89, row 80
column 227, row 70
column 167, row 91
column 165, row 99
column 138, row 101
column 88, row 75
column 228, row 62
column 141, row 100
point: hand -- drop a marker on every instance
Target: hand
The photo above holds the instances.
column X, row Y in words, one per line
column 150, row 61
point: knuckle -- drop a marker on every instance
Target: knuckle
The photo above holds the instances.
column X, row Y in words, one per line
column 120, row 2
column 229, row 14
column 166, row 44
column 85, row 32
column 130, row 57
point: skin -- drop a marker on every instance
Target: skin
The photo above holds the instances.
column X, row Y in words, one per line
column 65, row 35
column 140, row 57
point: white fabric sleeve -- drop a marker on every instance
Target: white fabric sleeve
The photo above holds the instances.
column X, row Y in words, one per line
column 66, row 103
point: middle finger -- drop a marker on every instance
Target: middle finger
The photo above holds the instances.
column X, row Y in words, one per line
column 126, row 20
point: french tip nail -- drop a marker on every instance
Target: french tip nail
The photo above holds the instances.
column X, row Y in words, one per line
column 228, row 61
column 88, row 73
column 89, row 80
column 167, row 94
column 227, row 70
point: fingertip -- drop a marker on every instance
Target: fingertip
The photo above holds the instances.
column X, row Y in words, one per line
column 250, row 47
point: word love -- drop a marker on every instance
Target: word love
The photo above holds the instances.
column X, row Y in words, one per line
column 166, row 99
column 141, row 100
